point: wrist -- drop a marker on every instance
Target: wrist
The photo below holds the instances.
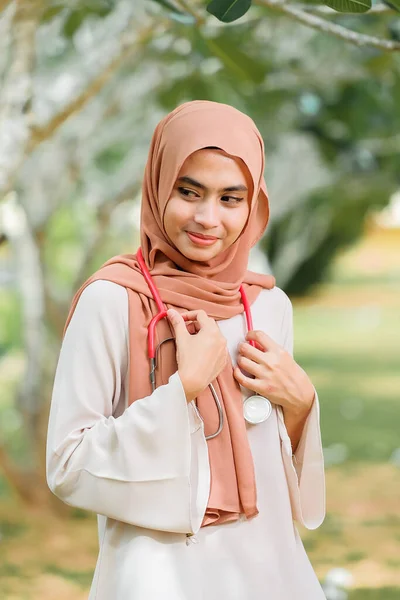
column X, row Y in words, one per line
column 304, row 405
column 309, row 398
column 190, row 393
column 189, row 396
column 301, row 409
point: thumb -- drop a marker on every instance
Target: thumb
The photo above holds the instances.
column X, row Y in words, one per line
column 177, row 322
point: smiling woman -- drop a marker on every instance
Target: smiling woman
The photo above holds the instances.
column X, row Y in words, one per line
column 139, row 449
column 203, row 217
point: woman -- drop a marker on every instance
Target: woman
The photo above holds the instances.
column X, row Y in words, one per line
column 180, row 516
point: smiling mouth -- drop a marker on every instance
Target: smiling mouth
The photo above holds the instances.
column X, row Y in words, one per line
column 202, row 236
column 201, row 240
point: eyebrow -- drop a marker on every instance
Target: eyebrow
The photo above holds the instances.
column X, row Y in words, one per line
column 232, row 188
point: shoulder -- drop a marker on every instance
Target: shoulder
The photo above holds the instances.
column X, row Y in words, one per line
column 103, row 293
column 273, row 312
column 275, row 299
column 102, row 301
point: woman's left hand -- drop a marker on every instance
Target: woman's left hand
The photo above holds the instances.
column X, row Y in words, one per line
column 277, row 375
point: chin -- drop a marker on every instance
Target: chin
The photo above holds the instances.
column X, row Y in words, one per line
column 199, row 254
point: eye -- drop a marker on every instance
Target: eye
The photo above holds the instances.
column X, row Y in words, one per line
column 187, row 193
column 233, row 199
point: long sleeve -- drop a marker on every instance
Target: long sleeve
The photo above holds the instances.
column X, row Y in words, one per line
column 147, row 467
column 305, row 469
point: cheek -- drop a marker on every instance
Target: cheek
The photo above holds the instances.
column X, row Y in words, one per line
column 238, row 220
column 176, row 214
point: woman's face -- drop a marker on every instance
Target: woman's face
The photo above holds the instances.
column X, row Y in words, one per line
column 211, row 197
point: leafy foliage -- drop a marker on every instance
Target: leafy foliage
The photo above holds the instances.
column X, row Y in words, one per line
column 231, row 10
column 292, row 82
column 228, row 10
column 175, row 13
column 296, row 84
column 393, row 4
column 76, row 13
column 349, row 6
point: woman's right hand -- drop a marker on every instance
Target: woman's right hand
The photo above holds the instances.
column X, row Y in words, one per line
column 202, row 355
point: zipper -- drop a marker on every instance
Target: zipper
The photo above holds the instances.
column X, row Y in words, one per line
column 191, row 538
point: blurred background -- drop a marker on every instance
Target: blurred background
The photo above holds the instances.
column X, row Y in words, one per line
column 82, row 86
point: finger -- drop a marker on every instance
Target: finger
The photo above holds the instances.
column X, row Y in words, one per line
column 254, row 353
column 248, row 382
column 261, row 338
column 198, row 315
column 177, row 322
column 250, row 366
column 192, row 327
column 192, row 315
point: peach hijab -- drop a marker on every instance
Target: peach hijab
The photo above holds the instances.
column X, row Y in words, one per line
column 184, row 286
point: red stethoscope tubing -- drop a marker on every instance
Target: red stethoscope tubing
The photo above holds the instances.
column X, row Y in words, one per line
column 163, row 309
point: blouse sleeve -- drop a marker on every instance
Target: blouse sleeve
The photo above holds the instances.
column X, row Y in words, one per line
column 147, row 467
column 305, row 468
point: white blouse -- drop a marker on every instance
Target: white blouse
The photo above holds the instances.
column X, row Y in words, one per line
column 144, row 470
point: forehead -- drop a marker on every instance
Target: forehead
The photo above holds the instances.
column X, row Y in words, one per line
column 215, row 165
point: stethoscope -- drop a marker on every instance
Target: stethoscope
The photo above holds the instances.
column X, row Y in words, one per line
column 256, row 408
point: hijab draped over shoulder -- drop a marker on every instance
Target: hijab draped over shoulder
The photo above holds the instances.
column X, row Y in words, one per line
column 184, row 284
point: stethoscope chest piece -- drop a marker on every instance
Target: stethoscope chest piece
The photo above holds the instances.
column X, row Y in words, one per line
column 256, row 409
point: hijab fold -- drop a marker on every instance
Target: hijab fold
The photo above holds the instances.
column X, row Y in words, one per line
column 192, row 285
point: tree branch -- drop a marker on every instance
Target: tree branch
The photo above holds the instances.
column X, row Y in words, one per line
column 15, row 115
column 128, row 45
column 200, row 19
column 384, row 147
column 378, row 9
column 359, row 39
column 4, row 4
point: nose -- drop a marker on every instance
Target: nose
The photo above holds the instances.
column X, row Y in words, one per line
column 207, row 214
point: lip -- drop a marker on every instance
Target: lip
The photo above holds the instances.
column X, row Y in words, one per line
column 201, row 241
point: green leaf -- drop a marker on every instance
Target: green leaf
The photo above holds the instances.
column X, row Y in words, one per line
column 228, row 10
column 240, row 64
column 175, row 92
column 89, row 9
column 168, row 5
column 52, row 11
column 349, row 6
column 176, row 14
column 109, row 159
column 393, row 4
column 73, row 22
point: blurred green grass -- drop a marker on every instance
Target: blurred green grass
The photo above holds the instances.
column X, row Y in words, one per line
column 347, row 338
column 378, row 594
column 352, row 356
